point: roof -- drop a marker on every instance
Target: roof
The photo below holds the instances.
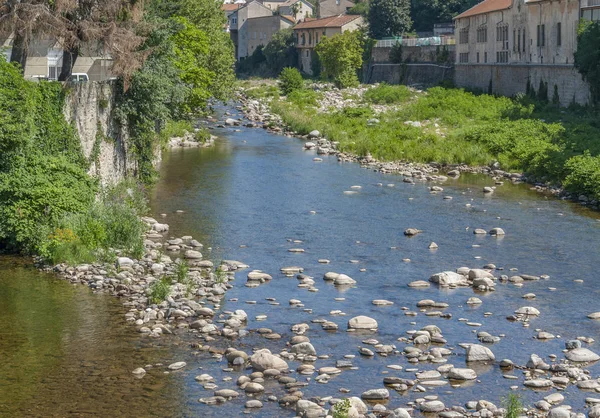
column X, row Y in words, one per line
column 290, row 18
column 486, row 6
column 327, row 22
column 230, row 7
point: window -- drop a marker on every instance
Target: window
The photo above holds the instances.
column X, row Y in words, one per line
column 54, row 63
column 317, row 37
column 523, row 40
column 463, row 36
column 502, row 35
column 541, row 35
column 482, row 34
column 303, row 39
column 478, row 58
column 502, row 56
column 307, row 52
column 514, row 40
column 519, row 41
column 558, row 34
column 253, row 35
column 463, row 57
column 310, row 38
column 234, row 20
column 485, row 57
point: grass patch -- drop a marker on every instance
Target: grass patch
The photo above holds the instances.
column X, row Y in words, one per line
column 548, row 143
column 513, row 405
column 387, row 94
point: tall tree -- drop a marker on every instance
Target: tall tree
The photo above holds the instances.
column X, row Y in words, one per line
column 426, row 13
column 389, row 18
column 587, row 56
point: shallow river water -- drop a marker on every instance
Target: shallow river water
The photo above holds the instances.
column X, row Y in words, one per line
column 248, row 198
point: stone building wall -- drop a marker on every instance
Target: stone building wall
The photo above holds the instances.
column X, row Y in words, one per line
column 429, row 53
column 509, row 80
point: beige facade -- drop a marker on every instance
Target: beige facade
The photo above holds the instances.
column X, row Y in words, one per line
column 262, row 29
column 44, row 59
column 329, row 8
column 310, row 33
column 302, row 8
column 507, row 44
column 238, row 25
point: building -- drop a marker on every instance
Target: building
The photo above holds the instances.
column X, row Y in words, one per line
column 237, row 22
column 299, row 9
column 509, row 44
column 310, row 32
column 45, row 56
column 262, row 29
column 327, row 8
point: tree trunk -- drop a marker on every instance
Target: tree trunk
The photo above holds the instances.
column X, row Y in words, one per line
column 19, row 52
column 68, row 61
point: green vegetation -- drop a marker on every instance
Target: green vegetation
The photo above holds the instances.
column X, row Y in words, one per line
column 290, row 80
column 513, row 405
column 270, row 60
column 182, row 269
column 387, row 94
column 549, row 144
column 341, row 57
column 340, row 410
column 587, row 56
column 426, row 13
column 389, row 18
column 159, row 290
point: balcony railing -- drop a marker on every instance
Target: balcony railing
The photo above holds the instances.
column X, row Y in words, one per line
column 434, row 40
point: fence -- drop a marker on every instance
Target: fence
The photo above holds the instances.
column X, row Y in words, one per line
column 434, row 40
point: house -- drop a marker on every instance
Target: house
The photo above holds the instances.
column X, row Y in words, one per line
column 327, row 8
column 238, row 25
column 262, row 29
column 44, row 59
column 299, row 9
column 507, row 45
column 310, row 32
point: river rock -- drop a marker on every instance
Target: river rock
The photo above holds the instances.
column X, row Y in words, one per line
column 263, row 360
column 139, row 372
column 480, row 274
column 330, row 276
column 305, row 348
column 124, row 262
column 362, row 322
column 399, row 413
column 227, row 393
column 308, row 409
column 528, row 310
column 254, row 387
column 538, row 383
column 432, row 406
column 253, row 403
column 178, row 365
column 462, row 374
column 193, row 255
column 382, row 302
column 581, row 355
column 314, row 134
column 559, row 413
column 342, row 280
column 447, row 278
column 411, row 232
column 375, row 394
column 418, row 283
column 594, row 412
column 497, row 231
column 476, row 352
column 595, row 315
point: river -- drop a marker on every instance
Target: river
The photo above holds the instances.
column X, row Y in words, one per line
column 249, row 198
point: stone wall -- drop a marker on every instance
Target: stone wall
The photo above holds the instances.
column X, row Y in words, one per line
column 417, row 54
column 508, row 80
column 423, row 75
column 90, row 108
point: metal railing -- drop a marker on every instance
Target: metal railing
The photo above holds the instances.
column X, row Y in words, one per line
column 434, row 40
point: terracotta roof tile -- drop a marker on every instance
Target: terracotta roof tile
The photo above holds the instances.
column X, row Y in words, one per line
column 230, row 7
column 327, row 22
column 485, row 7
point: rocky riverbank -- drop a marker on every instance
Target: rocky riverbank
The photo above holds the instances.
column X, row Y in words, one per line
column 260, row 115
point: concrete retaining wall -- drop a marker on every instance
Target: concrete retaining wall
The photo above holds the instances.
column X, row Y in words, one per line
column 424, row 75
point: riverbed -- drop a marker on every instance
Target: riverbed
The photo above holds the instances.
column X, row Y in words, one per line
column 254, row 196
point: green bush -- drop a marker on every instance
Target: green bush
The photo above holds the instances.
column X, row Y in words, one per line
column 513, row 405
column 182, row 269
column 341, row 409
column 387, row 94
column 290, row 80
column 159, row 290
column 583, row 175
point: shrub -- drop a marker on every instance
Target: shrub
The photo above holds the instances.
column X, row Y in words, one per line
column 395, row 56
column 513, row 405
column 182, row 269
column 341, row 409
column 386, row 94
column 303, row 98
column 159, row 290
column 290, row 80
column 341, row 57
column 583, row 175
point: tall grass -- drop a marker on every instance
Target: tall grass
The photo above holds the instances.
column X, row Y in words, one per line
column 159, row 290
column 458, row 127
